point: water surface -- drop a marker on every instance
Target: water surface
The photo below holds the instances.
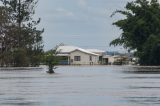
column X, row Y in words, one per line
column 81, row 86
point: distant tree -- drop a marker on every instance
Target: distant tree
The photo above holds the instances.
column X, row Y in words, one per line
column 6, row 41
column 22, row 33
column 141, row 30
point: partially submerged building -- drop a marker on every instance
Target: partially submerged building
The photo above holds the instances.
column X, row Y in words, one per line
column 72, row 55
column 83, row 57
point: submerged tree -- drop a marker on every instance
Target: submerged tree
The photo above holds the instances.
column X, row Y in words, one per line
column 51, row 59
column 21, row 37
column 141, row 30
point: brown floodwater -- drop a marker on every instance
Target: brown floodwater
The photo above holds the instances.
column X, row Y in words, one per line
column 80, row 86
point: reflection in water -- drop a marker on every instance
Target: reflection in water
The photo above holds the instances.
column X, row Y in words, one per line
column 145, row 100
column 142, row 87
column 145, row 85
column 19, row 102
column 143, row 70
column 80, row 86
column 141, row 77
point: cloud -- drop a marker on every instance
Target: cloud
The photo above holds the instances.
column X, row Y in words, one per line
column 63, row 12
column 82, row 3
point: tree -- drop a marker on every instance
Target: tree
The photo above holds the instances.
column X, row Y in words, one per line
column 22, row 33
column 141, row 30
column 51, row 59
column 7, row 42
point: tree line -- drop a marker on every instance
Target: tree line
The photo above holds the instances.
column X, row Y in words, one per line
column 21, row 42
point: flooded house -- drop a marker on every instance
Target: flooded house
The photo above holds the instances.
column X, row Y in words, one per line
column 99, row 52
column 83, row 57
column 72, row 55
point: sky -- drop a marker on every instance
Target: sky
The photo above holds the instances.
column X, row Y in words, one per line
column 83, row 23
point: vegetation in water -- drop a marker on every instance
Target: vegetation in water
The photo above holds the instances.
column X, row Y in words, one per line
column 51, row 59
column 141, row 30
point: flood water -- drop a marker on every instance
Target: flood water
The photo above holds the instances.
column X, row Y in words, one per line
column 80, row 86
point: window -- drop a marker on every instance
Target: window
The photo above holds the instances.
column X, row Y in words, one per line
column 77, row 58
column 90, row 58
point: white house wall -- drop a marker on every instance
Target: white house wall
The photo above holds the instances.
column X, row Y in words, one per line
column 85, row 58
column 111, row 59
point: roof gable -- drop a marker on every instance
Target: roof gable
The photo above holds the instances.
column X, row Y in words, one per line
column 66, row 49
column 84, row 51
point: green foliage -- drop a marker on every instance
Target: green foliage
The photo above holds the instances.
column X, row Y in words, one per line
column 50, row 58
column 19, row 35
column 141, row 30
column 20, row 58
column 151, row 51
